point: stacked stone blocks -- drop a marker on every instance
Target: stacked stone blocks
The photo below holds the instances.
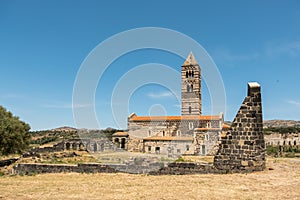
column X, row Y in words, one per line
column 243, row 147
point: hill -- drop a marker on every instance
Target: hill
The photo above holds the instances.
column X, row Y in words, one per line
column 281, row 123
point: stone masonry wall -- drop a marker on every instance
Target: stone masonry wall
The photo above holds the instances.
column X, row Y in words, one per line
column 153, row 169
column 243, row 147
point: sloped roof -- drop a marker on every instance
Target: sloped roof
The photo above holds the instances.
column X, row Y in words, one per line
column 120, row 134
column 173, row 118
column 226, row 126
column 207, row 129
column 169, row 138
column 190, row 60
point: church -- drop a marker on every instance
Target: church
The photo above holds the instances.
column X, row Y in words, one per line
column 189, row 134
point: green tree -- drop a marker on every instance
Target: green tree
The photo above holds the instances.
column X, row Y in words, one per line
column 14, row 133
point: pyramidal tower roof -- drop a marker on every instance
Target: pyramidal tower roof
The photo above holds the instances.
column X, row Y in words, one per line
column 190, row 60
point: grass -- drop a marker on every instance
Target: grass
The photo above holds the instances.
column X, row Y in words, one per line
column 281, row 183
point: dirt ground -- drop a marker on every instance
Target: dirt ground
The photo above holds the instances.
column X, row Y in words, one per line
column 282, row 182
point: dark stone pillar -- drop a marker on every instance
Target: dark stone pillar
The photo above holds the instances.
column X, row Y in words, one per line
column 243, row 147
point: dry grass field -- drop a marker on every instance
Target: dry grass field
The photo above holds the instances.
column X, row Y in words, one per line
column 283, row 182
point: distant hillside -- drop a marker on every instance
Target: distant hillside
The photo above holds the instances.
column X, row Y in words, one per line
column 65, row 129
column 64, row 133
column 276, row 123
column 281, row 123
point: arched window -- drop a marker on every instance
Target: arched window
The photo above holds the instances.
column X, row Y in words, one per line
column 187, row 147
column 191, row 125
column 192, row 74
column 123, row 143
column 186, row 74
column 68, row 146
column 191, row 88
column 163, row 133
column 190, row 109
column 95, row 147
column 295, row 142
column 187, row 88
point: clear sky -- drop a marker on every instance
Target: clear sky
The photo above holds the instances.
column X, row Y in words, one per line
column 43, row 44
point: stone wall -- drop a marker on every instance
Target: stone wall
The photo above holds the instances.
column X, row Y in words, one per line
column 243, row 147
column 170, row 148
column 278, row 139
column 157, row 168
column 7, row 162
column 28, row 169
column 206, row 142
column 84, row 144
column 152, row 168
column 140, row 130
column 182, row 168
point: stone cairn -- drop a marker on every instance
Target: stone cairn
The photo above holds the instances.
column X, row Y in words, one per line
column 243, row 147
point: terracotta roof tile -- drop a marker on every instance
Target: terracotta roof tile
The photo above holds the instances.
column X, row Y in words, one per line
column 120, row 134
column 169, row 138
column 173, row 118
column 226, row 126
column 207, row 129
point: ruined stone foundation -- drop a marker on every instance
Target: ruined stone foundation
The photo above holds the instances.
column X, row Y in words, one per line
column 243, row 147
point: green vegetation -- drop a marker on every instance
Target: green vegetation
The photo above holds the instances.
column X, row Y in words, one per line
column 106, row 133
column 44, row 137
column 14, row 133
column 282, row 130
column 47, row 136
column 283, row 151
column 181, row 159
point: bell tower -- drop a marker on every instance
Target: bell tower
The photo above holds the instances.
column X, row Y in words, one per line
column 191, row 87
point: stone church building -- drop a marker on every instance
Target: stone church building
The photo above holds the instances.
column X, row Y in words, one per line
column 190, row 134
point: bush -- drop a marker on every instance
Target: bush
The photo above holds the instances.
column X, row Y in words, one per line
column 14, row 133
column 272, row 150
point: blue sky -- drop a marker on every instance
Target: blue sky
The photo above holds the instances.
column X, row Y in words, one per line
column 43, row 44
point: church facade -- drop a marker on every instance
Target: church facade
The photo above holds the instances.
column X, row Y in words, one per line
column 189, row 134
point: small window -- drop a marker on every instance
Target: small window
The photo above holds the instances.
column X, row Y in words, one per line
column 186, row 74
column 187, row 147
column 206, row 137
column 190, row 109
column 178, row 133
column 203, row 150
column 163, row 133
column 191, row 125
column 208, row 125
column 187, row 88
column 191, row 88
column 149, row 132
column 149, row 148
column 157, row 150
